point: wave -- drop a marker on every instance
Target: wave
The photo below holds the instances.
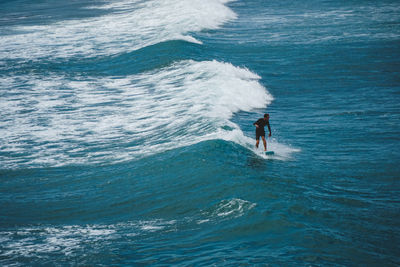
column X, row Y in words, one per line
column 129, row 26
column 40, row 242
column 58, row 121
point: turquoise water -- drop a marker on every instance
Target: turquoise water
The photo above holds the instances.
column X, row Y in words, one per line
column 126, row 133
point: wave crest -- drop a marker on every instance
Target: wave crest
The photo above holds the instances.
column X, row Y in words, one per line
column 131, row 25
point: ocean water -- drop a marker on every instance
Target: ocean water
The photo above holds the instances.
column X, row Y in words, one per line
column 126, row 134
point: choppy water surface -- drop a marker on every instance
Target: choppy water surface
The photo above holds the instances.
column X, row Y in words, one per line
column 126, row 133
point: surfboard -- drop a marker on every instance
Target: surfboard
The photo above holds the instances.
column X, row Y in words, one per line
column 269, row 153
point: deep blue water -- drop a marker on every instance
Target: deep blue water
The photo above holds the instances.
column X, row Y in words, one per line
column 126, row 133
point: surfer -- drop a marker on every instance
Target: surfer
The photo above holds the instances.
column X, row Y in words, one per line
column 260, row 132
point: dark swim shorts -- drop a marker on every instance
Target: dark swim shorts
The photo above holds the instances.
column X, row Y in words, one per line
column 259, row 133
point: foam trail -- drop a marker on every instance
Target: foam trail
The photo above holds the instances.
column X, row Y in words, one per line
column 131, row 25
column 281, row 151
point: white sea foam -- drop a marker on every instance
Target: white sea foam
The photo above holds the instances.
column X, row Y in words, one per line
column 129, row 26
column 234, row 207
column 226, row 209
column 155, row 225
column 57, row 121
column 40, row 241
column 281, row 151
